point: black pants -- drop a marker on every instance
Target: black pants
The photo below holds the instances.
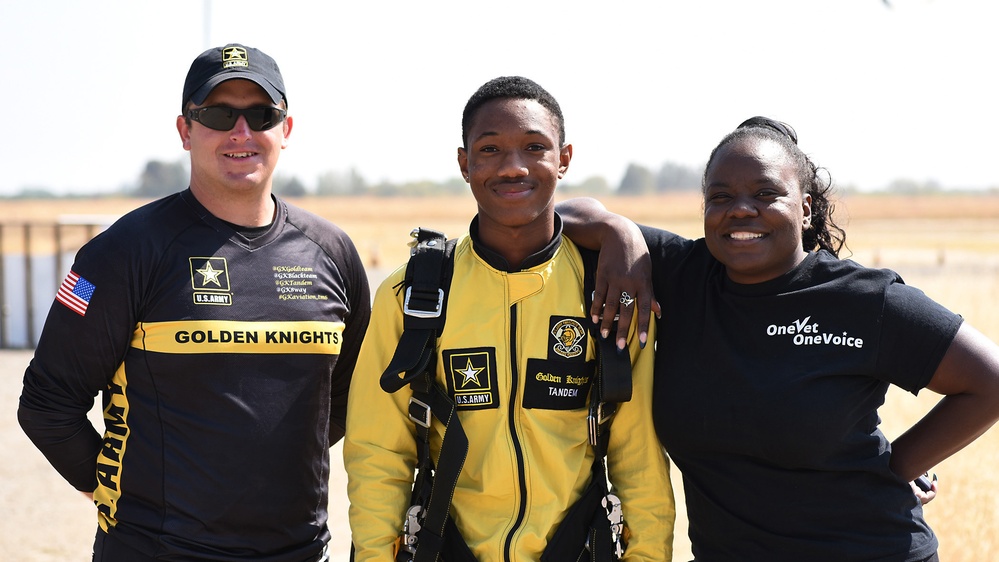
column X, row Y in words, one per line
column 109, row 549
column 933, row 558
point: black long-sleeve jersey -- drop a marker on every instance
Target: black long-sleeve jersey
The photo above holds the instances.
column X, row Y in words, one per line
column 224, row 364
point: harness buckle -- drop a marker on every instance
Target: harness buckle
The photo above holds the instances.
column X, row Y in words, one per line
column 423, row 419
column 596, row 418
column 410, row 528
column 435, row 313
column 612, row 506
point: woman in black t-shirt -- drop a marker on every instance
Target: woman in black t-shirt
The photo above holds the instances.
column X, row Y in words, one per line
column 773, row 356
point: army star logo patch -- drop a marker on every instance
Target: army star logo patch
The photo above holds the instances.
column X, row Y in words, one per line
column 471, row 377
column 210, row 280
column 234, row 57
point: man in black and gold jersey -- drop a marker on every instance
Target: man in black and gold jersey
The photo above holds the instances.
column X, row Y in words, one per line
column 221, row 326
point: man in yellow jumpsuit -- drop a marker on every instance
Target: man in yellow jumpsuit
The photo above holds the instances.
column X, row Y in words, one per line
column 507, row 360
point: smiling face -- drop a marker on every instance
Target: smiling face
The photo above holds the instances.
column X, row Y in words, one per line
column 512, row 163
column 754, row 211
column 238, row 162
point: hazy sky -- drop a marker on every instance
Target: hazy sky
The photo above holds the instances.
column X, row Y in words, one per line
column 876, row 92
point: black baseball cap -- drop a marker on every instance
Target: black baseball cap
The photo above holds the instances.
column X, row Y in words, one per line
column 219, row 64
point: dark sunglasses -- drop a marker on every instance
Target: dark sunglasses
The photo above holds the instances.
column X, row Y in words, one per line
column 223, row 118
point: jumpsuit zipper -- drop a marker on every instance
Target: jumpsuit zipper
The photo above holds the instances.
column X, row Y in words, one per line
column 513, row 435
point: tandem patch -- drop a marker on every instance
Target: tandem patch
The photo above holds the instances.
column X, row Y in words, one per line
column 471, row 377
column 210, row 280
column 562, row 380
column 557, row 385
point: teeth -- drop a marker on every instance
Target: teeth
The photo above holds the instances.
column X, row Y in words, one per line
column 240, row 155
column 744, row 235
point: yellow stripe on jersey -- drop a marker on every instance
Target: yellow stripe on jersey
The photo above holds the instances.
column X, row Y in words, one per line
column 116, row 434
column 220, row 336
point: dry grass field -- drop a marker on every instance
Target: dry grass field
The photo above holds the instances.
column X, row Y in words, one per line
column 946, row 245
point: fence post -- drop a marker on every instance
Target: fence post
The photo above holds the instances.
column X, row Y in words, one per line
column 57, row 270
column 3, row 293
column 29, row 293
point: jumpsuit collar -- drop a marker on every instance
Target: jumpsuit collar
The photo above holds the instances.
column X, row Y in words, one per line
column 499, row 262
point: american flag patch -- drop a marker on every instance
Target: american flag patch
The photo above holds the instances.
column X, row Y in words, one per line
column 75, row 293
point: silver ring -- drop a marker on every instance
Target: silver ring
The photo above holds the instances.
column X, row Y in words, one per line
column 626, row 299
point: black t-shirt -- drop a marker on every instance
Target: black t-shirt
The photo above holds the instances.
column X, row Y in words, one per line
column 766, row 398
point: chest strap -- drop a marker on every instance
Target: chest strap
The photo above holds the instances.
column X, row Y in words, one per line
column 612, row 380
column 427, row 282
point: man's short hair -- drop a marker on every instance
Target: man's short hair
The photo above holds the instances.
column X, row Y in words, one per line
column 511, row 87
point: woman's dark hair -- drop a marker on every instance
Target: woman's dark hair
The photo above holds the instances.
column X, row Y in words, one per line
column 822, row 232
